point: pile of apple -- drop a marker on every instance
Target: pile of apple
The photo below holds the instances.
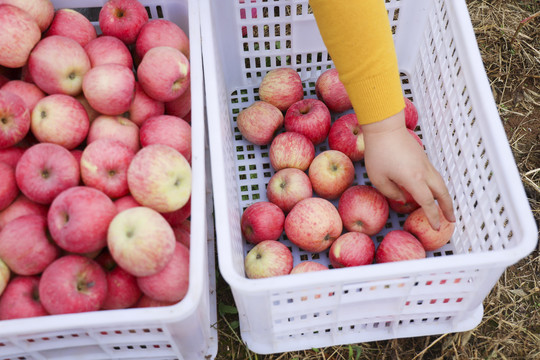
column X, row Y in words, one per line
column 305, row 186
column 95, row 159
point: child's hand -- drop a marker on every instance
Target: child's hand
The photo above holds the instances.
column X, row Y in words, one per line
column 393, row 157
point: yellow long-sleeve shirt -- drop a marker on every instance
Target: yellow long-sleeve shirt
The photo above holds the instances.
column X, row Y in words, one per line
column 358, row 37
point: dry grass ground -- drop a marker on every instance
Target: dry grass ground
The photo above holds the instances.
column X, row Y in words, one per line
column 510, row 328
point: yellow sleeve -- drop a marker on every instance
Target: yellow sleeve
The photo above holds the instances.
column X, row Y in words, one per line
column 358, row 38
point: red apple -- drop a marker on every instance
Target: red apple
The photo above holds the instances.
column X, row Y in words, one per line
column 20, row 33
column 14, row 119
column 11, row 155
column 8, row 185
column 73, row 284
column 352, row 249
column 125, row 202
column 268, row 258
column 331, row 91
column 116, row 128
column 399, row 245
column 108, row 50
column 406, row 207
column 164, row 73
column 364, row 209
column 141, row 241
column 418, row 225
column 167, row 130
column 160, row 177
column 109, row 88
column 143, row 106
column 259, row 122
column 181, row 106
column 170, row 284
column 122, row 289
column 411, row 114
column 261, row 221
column 308, row 266
column 92, row 113
column 331, row 173
column 309, row 117
column 176, row 218
column 72, row 24
column 346, row 136
column 42, row 11
column 58, row 64
column 21, row 299
column 313, row 224
column 182, row 233
column 28, row 92
column 45, row 170
column 145, row 302
column 281, row 87
column 287, row 187
column 25, row 246
column 123, row 19
column 291, row 150
column 20, row 207
column 60, row 119
column 161, row 32
column 104, row 165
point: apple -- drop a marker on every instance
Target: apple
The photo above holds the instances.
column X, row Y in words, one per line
column 125, row 202
column 60, row 119
column 143, row 106
column 167, row 130
column 287, row 187
column 5, row 276
column 268, row 258
column 261, row 221
column 281, row 87
column 181, row 106
column 331, row 173
column 108, row 50
column 3, row 80
column 259, row 122
column 291, row 150
column 164, row 73
column 77, row 154
column 161, row 32
column 352, row 249
column 411, row 114
column 170, row 284
column 78, row 219
column 346, row 136
column 25, row 246
column 141, row 241
column 28, row 92
column 104, row 165
column 20, row 207
column 58, row 64
column 145, row 302
column 8, row 185
column 313, row 224
column 42, row 11
column 309, row 117
column 115, row 128
column 45, row 170
column 406, row 207
column 122, row 289
column 416, row 137
column 364, row 209
column 123, row 19
column 73, row 284
column 331, row 91
column 418, row 225
column 20, row 33
column 308, row 266
column 109, row 88
column 72, row 24
column 182, row 233
column 176, row 218
column 21, row 299
column 160, row 177
column 14, row 119
column 91, row 112
column 399, row 245
column 11, row 155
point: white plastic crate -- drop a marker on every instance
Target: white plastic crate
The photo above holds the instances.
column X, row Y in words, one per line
column 442, row 72
column 183, row 331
